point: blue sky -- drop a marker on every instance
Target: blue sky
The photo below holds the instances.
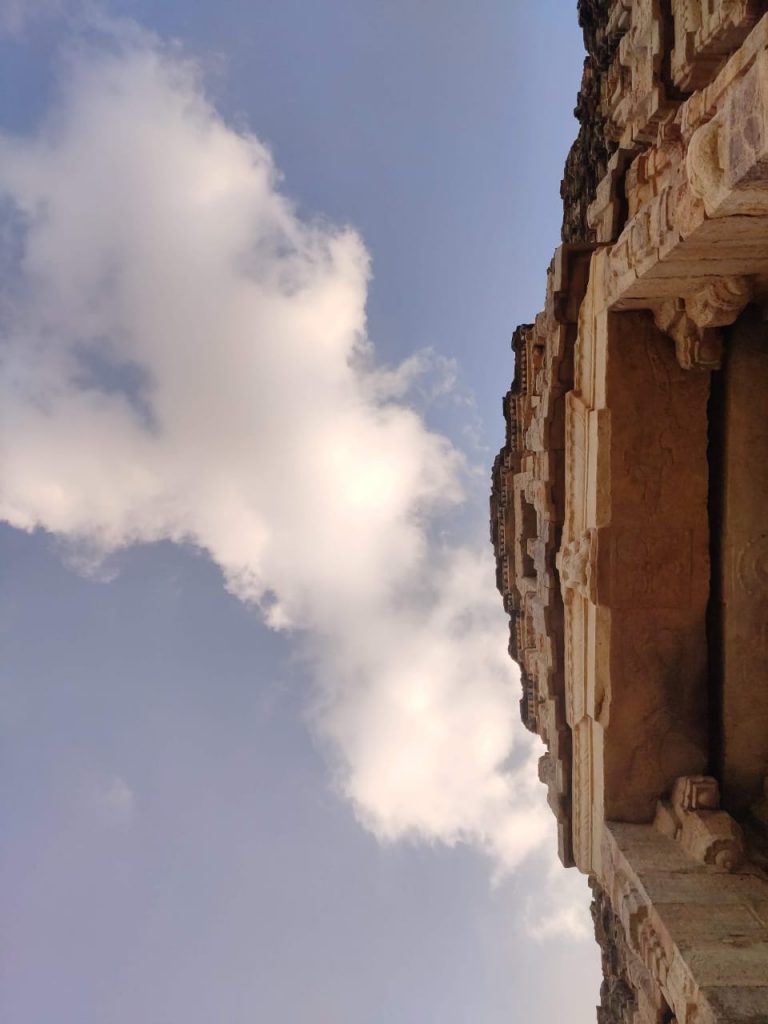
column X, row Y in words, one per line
column 260, row 267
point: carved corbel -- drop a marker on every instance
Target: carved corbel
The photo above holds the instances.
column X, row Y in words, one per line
column 696, row 348
column 693, row 817
column 694, row 322
column 720, row 302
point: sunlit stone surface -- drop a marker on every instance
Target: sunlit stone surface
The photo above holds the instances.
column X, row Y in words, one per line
column 628, row 508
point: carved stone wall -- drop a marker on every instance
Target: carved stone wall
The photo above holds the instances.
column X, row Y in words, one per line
column 603, row 24
column 628, row 508
column 527, row 511
column 635, row 635
column 619, row 990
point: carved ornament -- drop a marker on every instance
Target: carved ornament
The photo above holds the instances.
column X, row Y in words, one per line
column 693, row 817
column 577, row 564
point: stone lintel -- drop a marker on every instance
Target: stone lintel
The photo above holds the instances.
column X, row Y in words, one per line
column 694, row 248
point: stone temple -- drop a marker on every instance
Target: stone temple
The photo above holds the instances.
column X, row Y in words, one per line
column 629, row 508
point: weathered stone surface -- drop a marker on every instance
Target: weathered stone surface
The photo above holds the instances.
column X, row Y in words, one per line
column 527, row 508
column 744, row 564
column 628, row 508
column 706, row 33
column 618, row 992
column 603, row 23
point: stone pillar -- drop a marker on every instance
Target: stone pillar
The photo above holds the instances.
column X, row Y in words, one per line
column 744, row 564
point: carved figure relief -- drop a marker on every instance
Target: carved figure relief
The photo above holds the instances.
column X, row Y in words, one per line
column 752, row 566
column 576, row 563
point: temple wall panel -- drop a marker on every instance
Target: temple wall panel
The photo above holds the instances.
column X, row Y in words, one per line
column 653, row 568
column 634, row 565
column 744, row 568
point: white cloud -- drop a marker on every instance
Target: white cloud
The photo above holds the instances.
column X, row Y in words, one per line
column 112, row 800
column 15, row 15
column 185, row 358
column 562, row 908
column 424, row 736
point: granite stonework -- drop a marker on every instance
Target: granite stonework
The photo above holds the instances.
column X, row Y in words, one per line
column 628, row 508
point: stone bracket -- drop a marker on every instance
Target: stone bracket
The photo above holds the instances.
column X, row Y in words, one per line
column 693, row 817
column 694, row 322
column 696, row 348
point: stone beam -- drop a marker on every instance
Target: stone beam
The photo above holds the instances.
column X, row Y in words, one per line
column 695, row 935
column 693, row 249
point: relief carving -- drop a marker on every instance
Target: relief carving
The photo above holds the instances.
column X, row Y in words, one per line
column 576, row 563
column 704, row 163
column 527, row 507
column 752, row 566
column 704, row 33
column 618, row 994
column 635, row 93
column 726, row 159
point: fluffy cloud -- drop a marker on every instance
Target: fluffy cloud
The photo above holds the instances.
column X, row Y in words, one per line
column 15, row 15
column 560, row 907
column 185, row 358
column 111, row 800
